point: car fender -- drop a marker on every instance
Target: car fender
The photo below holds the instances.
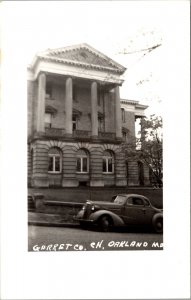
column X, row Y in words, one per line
column 117, row 221
column 157, row 215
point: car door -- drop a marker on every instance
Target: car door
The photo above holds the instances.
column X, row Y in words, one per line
column 135, row 211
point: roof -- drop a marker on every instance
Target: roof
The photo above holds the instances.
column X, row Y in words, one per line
column 134, row 102
column 82, row 55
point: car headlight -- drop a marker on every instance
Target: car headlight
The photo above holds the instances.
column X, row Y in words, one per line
column 94, row 207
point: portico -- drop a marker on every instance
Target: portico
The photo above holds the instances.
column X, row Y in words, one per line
column 68, row 102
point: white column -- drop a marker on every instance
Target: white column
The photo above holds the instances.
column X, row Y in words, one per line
column 118, row 129
column 68, row 106
column 41, row 102
column 94, row 116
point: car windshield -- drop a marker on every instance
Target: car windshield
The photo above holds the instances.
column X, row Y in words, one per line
column 120, row 200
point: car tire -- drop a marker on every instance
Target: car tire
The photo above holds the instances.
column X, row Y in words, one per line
column 105, row 223
column 158, row 223
column 83, row 226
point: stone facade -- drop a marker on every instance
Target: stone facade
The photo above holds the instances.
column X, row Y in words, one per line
column 75, row 121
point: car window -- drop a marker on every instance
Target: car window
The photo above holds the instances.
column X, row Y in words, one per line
column 129, row 201
column 120, row 200
column 137, row 201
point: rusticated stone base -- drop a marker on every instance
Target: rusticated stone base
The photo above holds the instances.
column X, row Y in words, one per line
column 69, row 177
column 133, row 182
column 97, row 182
column 70, row 183
column 121, row 182
column 40, row 181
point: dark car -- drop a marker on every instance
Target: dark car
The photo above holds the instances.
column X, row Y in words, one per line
column 123, row 210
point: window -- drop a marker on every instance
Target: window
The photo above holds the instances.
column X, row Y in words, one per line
column 100, row 124
column 124, row 135
column 99, row 95
column 82, row 161
column 123, row 115
column 137, row 201
column 120, row 199
column 74, row 122
column 54, row 160
column 100, row 121
column 74, row 93
column 48, row 90
column 108, row 162
column 48, row 120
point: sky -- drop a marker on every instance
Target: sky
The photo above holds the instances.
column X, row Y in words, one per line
column 112, row 27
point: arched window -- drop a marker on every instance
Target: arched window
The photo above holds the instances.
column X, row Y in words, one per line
column 54, row 160
column 82, row 161
column 108, row 162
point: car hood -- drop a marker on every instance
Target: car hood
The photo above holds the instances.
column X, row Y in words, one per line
column 105, row 204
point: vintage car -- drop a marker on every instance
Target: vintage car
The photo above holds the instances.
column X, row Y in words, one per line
column 123, row 210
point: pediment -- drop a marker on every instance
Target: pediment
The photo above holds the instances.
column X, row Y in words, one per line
column 83, row 55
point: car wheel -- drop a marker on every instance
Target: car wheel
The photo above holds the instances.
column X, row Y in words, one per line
column 105, row 223
column 83, row 226
column 158, row 224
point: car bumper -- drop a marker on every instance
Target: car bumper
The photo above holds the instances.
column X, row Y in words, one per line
column 84, row 221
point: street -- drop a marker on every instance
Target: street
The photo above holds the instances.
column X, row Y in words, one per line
column 76, row 239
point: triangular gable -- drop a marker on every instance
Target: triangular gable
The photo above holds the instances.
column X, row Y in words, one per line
column 83, row 54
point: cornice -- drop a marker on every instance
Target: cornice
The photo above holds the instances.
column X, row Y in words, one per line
column 53, row 67
column 134, row 102
column 76, row 63
column 126, row 101
column 141, row 106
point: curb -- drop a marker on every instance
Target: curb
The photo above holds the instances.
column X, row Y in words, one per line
column 52, row 224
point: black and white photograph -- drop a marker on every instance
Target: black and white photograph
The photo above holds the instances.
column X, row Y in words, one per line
column 86, row 165
column 96, row 99
column 95, row 157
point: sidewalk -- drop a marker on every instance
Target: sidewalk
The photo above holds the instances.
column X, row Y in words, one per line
column 41, row 219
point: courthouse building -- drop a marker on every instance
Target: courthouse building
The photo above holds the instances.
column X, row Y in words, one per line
column 77, row 121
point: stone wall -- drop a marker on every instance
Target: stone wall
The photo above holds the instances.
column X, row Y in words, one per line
column 68, row 176
column 133, row 176
column 129, row 122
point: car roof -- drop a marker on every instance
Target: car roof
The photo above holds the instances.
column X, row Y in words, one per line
column 132, row 195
